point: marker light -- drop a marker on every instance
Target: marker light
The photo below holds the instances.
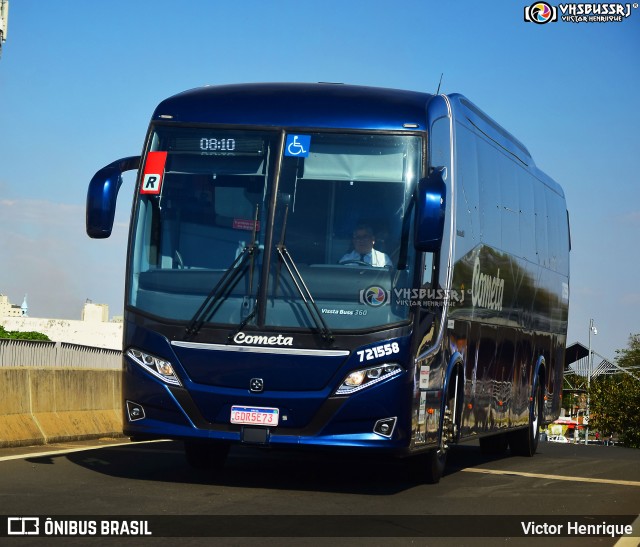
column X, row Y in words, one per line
column 158, row 367
column 366, row 377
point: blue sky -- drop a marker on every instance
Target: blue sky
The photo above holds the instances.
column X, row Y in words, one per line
column 80, row 79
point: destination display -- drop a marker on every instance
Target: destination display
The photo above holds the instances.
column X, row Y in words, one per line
column 217, row 144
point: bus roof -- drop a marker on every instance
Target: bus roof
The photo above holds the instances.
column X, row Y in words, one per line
column 301, row 105
column 328, row 106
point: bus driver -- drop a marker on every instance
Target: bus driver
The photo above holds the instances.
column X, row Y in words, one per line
column 363, row 251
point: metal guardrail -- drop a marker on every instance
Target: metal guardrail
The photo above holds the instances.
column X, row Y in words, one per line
column 41, row 354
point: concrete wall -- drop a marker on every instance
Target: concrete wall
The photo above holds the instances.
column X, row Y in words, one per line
column 58, row 392
column 45, row 406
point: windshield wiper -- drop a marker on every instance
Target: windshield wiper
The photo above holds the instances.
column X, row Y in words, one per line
column 307, row 298
column 237, row 267
column 298, row 281
column 205, row 311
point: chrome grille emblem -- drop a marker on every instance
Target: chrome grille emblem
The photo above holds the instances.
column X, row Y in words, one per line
column 256, row 385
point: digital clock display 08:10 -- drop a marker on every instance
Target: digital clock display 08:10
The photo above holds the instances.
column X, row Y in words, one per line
column 217, row 145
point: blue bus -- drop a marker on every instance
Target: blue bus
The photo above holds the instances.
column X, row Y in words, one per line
column 326, row 265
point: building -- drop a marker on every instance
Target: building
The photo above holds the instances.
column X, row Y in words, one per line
column 7, row 309
column 4, row 22
column 95, row 313
column 93, row 329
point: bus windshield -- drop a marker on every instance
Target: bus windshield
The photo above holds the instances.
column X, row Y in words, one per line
column 257, row 225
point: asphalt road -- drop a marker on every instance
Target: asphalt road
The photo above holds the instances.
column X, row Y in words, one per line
column 263, row 494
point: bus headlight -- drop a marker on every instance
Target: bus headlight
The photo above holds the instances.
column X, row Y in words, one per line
column 160, row 368
column 366, row 377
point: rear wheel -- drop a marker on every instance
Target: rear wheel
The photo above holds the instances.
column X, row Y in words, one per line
column 525, row 441
column 203, row 455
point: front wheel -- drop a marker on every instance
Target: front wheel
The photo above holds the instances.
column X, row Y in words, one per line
column 525, row 441
column 435, row 464
column 428, row 468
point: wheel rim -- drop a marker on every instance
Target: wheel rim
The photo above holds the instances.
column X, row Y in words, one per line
column 535, row 411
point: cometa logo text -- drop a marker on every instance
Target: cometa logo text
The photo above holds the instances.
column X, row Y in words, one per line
column 487, row 291
column 279, row 340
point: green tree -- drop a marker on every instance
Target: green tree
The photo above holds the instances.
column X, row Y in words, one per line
column 615, row 399
column 17, row 335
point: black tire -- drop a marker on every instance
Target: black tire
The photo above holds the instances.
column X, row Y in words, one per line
column 206, row 456
column 494, row 445
column 427, row 468
column 435, row 465
column 524, row 442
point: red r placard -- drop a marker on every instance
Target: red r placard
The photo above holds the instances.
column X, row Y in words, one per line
column 153, row 173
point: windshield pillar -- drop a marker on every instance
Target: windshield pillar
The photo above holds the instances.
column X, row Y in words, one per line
column 269, row 234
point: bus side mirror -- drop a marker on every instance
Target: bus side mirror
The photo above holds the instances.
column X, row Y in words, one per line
column 102, row 196
column 430, row 211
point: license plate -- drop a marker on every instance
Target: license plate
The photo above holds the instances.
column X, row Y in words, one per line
column 254, row 415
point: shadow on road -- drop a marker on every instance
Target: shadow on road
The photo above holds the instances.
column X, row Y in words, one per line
column 251, row 467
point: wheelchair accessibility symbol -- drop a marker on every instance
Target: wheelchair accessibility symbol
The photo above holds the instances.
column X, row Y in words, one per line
column 297, row 145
